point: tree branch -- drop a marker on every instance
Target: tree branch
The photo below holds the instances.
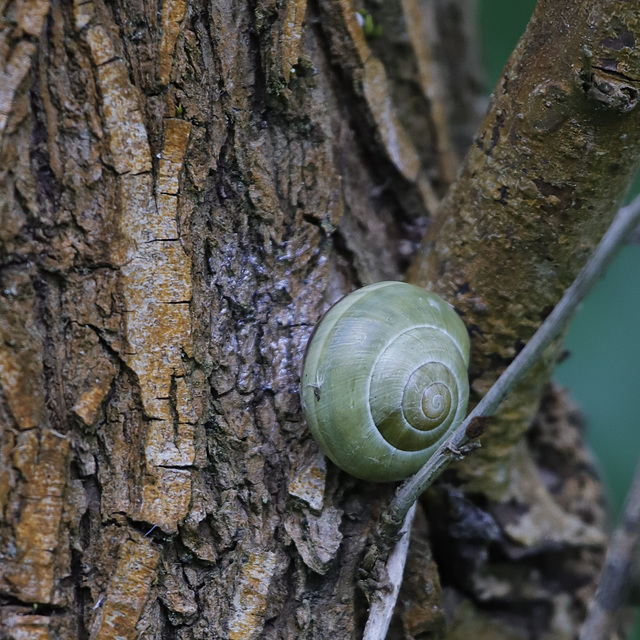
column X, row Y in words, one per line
column 543, row 180
column 454, row 447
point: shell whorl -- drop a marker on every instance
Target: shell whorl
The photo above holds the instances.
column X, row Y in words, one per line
column 385, row 379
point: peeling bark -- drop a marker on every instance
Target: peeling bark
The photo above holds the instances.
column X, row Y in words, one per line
column 186, row 188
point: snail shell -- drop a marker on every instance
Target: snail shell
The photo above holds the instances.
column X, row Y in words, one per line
column 384, row 379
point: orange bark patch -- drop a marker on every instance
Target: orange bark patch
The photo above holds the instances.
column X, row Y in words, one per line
column 155, row 276
column 42, row 461
column 250, row 600
column 172, row 14
column 291, row 39
column 128, row 591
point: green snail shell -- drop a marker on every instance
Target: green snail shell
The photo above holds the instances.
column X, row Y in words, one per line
column 384, row 379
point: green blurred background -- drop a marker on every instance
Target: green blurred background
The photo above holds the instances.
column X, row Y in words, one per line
column 603, row 370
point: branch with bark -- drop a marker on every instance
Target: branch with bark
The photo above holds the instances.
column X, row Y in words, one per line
column 396, row 521
column 455, row 447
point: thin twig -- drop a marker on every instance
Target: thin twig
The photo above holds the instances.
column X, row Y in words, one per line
column 623, row 224
column 383, row 605
column 613, row 579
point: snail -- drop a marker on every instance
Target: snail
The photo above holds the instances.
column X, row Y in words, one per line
column 384, row 379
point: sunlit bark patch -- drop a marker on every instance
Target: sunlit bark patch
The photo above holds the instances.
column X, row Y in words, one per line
column 172, row 15
column 42, row 462
column 250, row 600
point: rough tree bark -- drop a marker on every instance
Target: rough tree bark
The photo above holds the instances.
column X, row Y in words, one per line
column 186, row 187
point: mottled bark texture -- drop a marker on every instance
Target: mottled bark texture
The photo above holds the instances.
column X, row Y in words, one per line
column 185, row 188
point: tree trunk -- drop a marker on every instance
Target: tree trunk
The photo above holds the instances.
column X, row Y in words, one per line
column 186, row 188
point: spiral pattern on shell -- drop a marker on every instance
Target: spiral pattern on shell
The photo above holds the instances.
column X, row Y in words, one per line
column 385, row 379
